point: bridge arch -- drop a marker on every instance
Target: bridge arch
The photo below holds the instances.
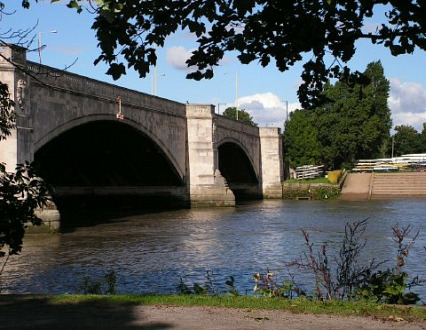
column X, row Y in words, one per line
column 79, row 121
column 238, row 169
column 190, row 136
column 226, row 142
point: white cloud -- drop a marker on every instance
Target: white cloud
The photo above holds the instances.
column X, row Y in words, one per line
column 407, row 102
column 267, row 109
column 177, row 57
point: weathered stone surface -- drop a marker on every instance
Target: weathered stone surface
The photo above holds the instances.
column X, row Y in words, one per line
column 50, row 102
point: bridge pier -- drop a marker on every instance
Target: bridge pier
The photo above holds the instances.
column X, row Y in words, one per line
column 9, row 147
column 271, row 160
column 207, row 187
column 188, row 136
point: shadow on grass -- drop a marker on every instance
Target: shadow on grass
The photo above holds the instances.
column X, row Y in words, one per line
column 30, row 312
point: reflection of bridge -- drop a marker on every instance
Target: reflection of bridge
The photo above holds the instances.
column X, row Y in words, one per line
column 93, row 138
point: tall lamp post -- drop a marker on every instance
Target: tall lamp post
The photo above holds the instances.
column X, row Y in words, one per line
column 154, row 80
column 154, row 77
column 40, row 44
column 236, row 94
column 393, row 144
column 286, row 111
column 218, row 106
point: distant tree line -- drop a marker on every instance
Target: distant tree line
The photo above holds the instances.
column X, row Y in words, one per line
column 353, row 122
column 407, row 140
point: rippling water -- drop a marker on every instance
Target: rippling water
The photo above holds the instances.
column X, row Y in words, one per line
column 150, row 252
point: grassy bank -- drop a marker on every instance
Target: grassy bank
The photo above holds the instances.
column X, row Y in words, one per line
column 340, row 308
column 309, row 181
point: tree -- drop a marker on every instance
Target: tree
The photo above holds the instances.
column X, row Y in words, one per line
column 240, row 115
column 407, row 140
column 423, row 139
column 355, row 120
column 265, row 31
column 7, row 116
column 352, row 123
column 21, row 192
column 300, row 138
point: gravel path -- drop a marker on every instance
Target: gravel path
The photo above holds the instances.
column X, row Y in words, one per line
column 23, row 313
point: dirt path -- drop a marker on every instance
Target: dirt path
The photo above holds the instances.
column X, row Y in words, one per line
column 23, row 313
column 223, row 318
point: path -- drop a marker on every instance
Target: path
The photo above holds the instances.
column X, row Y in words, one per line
column 23, row 313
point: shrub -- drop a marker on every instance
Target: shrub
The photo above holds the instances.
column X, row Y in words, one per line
column 334, row 176
column 104, row 286
column 355, row 281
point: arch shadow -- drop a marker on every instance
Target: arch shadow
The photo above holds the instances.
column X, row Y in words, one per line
column 238, row 170
column 108, row 165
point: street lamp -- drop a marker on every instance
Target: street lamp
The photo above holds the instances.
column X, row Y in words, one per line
column 236, row 93
column 39, row 42
column 286, row 110
column 154, row 76
column 218, row 105
column 154, row 80
column 393, row 144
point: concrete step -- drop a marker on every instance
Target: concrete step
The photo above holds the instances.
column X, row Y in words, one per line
column 384, row 180
column 396, row 196
column 398, row 191
column 398, row 185
column 385, row 185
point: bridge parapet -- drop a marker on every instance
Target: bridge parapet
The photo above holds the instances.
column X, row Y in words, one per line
column 50, row 102
column 236, row 126
column 66, row 81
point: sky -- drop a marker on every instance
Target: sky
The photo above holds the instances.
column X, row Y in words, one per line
column 265, row 93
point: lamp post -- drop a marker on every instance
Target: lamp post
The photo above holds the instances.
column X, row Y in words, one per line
column 39, row 42
column 154, row 80
column 286, row 110
column 236, row 94
column 218, row 106
column 393, row 144
column 154, row 77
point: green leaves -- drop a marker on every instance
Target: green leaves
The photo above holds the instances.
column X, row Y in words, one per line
column 20, row 194
column 407, row 140
column 279, row 32
column 351, row 122
column 73, row 4
column 240, row 115
column 116, row 70
column 7, row 115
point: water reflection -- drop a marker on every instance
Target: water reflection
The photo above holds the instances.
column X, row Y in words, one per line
column 149, row 252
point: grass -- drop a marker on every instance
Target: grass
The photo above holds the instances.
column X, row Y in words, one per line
column 340, row 308
column 316, row 180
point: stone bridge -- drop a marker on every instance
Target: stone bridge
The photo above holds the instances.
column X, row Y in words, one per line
column 90, row 138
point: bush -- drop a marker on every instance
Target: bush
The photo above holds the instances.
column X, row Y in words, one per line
column 320, row 192
column 334, row 176
column 353, row 281
column 104, row 286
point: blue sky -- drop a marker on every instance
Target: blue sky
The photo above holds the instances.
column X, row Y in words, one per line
column 261, row 91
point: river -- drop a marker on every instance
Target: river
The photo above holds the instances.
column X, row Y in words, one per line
column 150, row 252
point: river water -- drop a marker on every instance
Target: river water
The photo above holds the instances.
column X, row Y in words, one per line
column 151, row 251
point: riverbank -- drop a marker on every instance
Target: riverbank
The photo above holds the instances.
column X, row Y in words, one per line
column 159, row 312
